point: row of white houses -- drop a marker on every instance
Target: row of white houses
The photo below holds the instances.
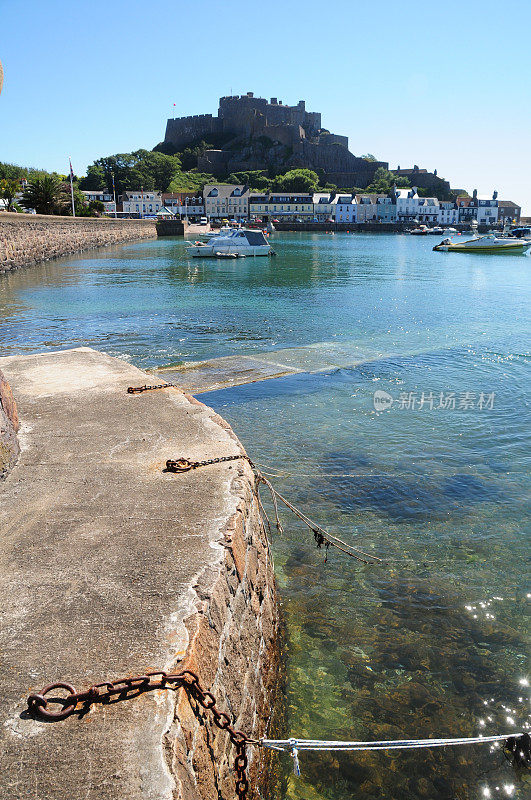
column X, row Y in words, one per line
column 227, row 201
column 237, row 202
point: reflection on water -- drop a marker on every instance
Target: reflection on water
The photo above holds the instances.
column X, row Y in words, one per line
column 434, row 642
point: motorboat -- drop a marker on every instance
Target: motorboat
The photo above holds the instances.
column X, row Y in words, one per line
column 485, row 244
column 438, row 231
column 450, row 230
column 242, row 242
column 422, row 230
column 522, row 232
column 223, row 231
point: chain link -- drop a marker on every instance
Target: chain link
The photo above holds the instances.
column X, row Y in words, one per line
column 38, row 707
column 145, row 388
column 184, row 464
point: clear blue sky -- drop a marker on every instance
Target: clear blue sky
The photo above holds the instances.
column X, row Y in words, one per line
column 446, row 87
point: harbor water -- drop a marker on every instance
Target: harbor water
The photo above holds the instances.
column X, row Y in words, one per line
column 404, row 430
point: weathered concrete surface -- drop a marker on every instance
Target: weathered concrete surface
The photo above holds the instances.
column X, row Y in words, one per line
column 220, row 373
column 110, row 568
column 27, row 239
column 9, row 448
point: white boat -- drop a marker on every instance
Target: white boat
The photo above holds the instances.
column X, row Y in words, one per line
column 243, row 242
column 485, row 244
column 450, row 230
column 223, row 231
column 421, row 231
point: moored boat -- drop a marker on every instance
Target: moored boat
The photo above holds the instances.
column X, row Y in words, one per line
column 485, row 244
column 243, row 242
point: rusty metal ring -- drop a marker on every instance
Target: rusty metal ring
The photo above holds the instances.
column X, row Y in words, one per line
column 181, row 465
column 39, row 709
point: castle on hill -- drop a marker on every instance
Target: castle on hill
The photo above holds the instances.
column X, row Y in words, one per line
column 257, row 134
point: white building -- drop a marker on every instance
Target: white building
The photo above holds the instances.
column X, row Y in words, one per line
column 141, row 203
column 345, row 208
column 324, row 206
column 448, row 212
column 101, row 196
column 412, row 208
column 487, row 208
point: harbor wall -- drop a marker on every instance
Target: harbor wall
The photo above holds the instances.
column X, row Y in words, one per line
column 27, row 239
column 235, row 647
column 384, row 227
column 9, row 425
column 362, row 227
column 114, row 567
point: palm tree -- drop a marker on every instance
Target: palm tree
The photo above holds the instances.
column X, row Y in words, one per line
column 43, row 194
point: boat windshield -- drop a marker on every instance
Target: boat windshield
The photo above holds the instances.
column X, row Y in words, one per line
column 255, row 238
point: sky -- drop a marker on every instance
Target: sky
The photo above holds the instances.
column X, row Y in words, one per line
column 446, row 87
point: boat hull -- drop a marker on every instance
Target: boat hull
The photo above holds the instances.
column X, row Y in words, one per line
column 206, row 251
column 518, row 248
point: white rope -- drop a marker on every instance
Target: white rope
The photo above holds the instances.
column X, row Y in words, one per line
column 390, row 744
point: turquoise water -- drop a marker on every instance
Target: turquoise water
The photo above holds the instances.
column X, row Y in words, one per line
column 434, row 642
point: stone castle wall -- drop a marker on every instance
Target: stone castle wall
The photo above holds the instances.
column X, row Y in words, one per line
column 27, row 239
column 297, row 133
column 340, row 166
column 243, row 116
column 428, row 180
column 182, row 131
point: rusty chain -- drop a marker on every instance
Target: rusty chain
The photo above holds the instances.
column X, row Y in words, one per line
column 103, row 692
column 184, row 465
column 145, row 388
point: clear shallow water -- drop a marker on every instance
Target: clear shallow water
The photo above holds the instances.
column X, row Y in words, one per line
column 416, row 647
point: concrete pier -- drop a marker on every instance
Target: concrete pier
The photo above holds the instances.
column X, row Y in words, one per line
column 111, row 568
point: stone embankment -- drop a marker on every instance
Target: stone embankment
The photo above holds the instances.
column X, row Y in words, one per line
column 27, row 239
column 111, row 567
column 9, row 425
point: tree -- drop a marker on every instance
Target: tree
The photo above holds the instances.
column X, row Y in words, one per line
column 8, row 189
column 94, row 179
column 147, row 168
column 12, row 172
column 369, row 157
column 383, row 181
column 43, row 194
column 256, row 179
column 297, row 180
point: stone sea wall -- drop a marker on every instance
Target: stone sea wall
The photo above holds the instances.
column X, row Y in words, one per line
column 27, row 239
column 9, row 425
column 234, row 643
column 114, row 567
